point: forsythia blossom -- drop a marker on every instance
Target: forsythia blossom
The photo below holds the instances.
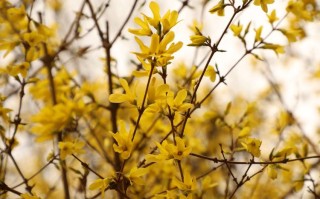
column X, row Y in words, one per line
column 161, row 48
column 167, row 103
column 258, row 34
column 299, row 8
column 101, row 184
column 170, row 151
column 273, row 16
column 252, row 145
column 53, row 119
column 29, row 196
column 158, row 53
column 236, row 29
column 177, row 103
column 119, row 97
column 124, row 143
column 188, row 185
column 68, row 148
column 263, row 4
column 278, row 49
column 218, row 8
column 21, row 68
column 135, row 175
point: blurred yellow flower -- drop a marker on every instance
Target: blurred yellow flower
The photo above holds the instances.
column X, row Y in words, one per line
column 188, row 185
column 21, row 68
column 299, row 9
column 263, row 4
column 101, row 184
column 252, row 145
column 278, row 49
column 196, row 27
column 29, row 196
column 272, row 171
column 135, row 175
column 236, row 29
column 218, row 8
column 258, row 34
column 272, row 16
column 69, row 148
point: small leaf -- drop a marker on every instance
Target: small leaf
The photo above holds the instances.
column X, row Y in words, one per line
column 226, row 112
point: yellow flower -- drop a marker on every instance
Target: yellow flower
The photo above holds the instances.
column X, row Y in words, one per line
column 180, row 151
column 33, row 38
column 188, row 185
column 163, row 155
column 22, row 69
column 167, row 21
column 272, row 171
column 252, row 145
column 161, row 24
column 53, row 119
column 62, row 81
column 158, row 51
column 211, row 73
column 45, row 31
column 258, row 34
column 143, row 73
column 161, row 48
column 199, row 40
column 219, row 8
column 170, row 151
column 165, row 100
column 119, row 97
column 196, row 27
column 273, row 16
column 278, row 49
column 123, row 138
column 145, row 29
column 101, row 184
column 9, row 44
column 56, row 5
column 298, row 8
column 207, row 183
column 181, row 71
column 172, row 194
column 263, row 4
column 292, row 34
column 285, row 152
column 4, row 113
column 35, row 50
column 17, row 14
column 177, row 103
column 135, row 175
column 68, row 148
column 29, row 196
column 155, row 9
column 236, row 29
column 157, row 92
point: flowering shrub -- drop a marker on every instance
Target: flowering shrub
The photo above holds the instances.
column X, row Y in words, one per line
column 166, row 130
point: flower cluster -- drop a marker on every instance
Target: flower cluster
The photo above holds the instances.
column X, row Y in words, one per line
column 158, row 28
